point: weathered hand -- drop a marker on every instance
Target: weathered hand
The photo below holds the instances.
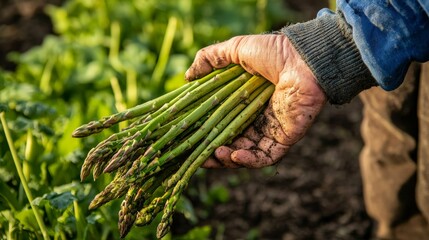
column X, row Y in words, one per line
column 294, row 105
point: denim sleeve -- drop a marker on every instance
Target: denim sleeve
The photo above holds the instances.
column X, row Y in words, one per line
column 389, row 35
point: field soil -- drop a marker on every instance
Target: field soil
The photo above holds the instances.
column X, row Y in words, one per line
column 315, row 192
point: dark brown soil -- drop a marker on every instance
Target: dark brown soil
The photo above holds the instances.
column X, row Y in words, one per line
column 23, row 24
column 314, row 193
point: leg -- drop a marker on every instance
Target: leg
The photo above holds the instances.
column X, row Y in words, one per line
column 388, row 165
column 423, row 151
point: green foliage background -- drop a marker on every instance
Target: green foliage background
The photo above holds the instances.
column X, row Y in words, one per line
column 106, row 56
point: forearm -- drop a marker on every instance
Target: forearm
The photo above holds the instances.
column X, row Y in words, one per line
column 359, row 46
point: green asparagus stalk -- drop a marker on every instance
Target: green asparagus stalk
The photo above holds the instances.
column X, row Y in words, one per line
column 99, row 125
column 185, row 123
column 117, row 188
column 241, row 121
column 221, row 112
column 148, row 213
column 167, row 140
column 115, row 162
column 92, row 127
column 137, row 195
column 111, row 191
column 190, row 97
column 106, row 149
column 101, row 153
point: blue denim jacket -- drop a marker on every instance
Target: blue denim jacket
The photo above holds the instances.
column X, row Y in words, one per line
column 389, row 35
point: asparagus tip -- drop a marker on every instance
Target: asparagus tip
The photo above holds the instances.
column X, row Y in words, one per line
column 83, row 174
column 125, row 226
column 163, row 228
column 111, row 166
column 79, row 133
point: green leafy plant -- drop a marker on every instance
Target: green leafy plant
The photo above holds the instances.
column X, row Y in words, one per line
column 106, row 56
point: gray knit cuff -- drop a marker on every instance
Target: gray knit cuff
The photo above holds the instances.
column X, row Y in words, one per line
column 327, row 46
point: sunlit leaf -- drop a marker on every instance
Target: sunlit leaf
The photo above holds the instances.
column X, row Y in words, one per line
column 185, row 207
column 57, row 200
column 27, row 219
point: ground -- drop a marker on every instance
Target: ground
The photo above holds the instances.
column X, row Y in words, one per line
column 313, row 193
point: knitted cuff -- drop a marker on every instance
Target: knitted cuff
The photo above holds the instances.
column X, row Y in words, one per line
column 327, row 46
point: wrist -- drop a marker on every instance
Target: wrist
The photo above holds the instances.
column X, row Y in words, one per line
column 327, row 47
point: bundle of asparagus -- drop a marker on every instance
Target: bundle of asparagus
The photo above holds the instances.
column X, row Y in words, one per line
column 167, row 141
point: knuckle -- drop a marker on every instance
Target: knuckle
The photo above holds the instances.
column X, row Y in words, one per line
column 201, row 53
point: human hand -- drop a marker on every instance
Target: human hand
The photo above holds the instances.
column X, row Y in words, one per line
column 295, row 103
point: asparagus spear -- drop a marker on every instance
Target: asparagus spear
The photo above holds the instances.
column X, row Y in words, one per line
column 167, row 140
column 221, row 112
column 219, row 80
column 229, row 132
column 99, row 125
column 185, row 123
column 137, row 195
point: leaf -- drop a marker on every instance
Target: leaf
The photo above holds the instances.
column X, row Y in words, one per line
column 3, row 107
column 18, row 91
column 185, row 207
column 66, row 145
column 175, row 82
column 9, row 197
column 6, row 174
column 196, row 233
column 27, row 219
column 34, row 109
column 22, row 125
column 219, row 193
column 59, row 201
column 93, row 218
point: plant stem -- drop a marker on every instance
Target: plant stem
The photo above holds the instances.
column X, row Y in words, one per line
column 117, row 93
column 22, row 177
column 45, row 79
column 132, row 94
column 80, row 220
column 164, row 54
column 115, row 41
column 29, row 154
column 214, row 132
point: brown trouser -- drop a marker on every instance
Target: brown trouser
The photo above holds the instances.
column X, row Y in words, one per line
column 395, row 159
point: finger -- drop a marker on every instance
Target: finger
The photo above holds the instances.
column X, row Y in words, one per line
column 198, row 69
column 223, row 155
column 253, row 133
column 268, row 153
column 243, row 143
column 212, row 163
column 208, row 58
column 251, row 158
column 273, row 149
